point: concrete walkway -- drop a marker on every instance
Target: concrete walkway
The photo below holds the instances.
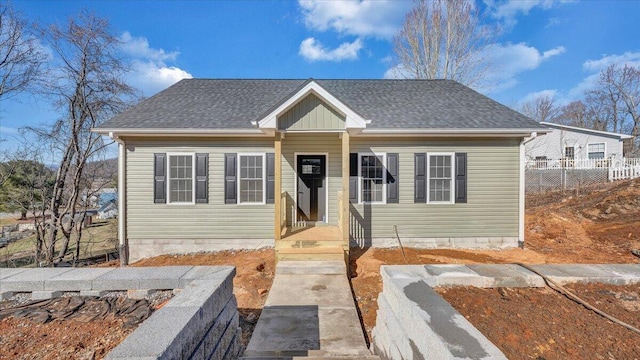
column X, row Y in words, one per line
column 309, row 312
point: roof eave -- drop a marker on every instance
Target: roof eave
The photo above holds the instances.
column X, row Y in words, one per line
column 192, row 132
column 454, row 132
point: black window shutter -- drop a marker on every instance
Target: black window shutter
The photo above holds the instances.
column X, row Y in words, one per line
column 202, row 178
column 271, row 177
column 230, row 189
column 461, row 177
column 353, row 177
column 393, row 197
column 160, row 178
column 420, row 179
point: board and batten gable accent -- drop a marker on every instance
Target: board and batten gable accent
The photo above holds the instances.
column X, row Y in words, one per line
column 492, row 192
column 311, row 113
column 199, row 223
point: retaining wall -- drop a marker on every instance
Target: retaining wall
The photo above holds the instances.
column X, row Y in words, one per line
column 199, row 322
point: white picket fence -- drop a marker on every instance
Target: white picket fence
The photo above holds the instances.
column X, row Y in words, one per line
column 619, row 169
column 621, row 173
column 562, row 174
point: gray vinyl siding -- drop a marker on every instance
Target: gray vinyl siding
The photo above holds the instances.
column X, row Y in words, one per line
column 146, row 220
column 313, row 144
column 492, row 191
column 311, row 114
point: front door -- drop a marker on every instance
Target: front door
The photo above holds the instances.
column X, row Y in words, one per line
column 312, row 188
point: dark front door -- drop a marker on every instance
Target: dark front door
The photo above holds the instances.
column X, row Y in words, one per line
column 311, row 188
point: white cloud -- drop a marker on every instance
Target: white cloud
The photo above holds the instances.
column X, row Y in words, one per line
column 8, row 130
column 628, row 58
column 150, row 72
column 508, row 10
column 151, row 77
column 313, row 50
column 509, row 60
column 138, row 47
column 594, row 67
column 376, row 18
column 551, row 93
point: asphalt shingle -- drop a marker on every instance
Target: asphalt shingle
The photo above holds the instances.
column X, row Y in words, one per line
column 389, row 104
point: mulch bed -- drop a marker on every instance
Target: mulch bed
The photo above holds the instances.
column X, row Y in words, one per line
column 539, row 323
column 71, row 327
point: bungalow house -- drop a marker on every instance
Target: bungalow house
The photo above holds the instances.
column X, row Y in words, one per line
column 313, row 167
column 575, row 143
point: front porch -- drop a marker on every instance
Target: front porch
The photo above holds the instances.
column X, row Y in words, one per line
column 301, row 234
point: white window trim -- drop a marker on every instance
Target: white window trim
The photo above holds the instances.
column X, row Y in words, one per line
column 264, row 178
column 380, row 155
column 453, row 176
column 193, row 177
column 597, row 143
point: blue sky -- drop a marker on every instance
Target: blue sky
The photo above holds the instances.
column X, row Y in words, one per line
column 547, row 46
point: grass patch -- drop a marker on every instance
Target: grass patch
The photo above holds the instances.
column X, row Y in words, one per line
column 97, row 238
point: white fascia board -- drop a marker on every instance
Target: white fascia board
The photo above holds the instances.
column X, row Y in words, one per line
column 353, row 120
column 452, row 132
column 567, row 127
column 115, row 133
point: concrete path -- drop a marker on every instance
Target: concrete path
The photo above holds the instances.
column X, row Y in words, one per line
column 309, row 312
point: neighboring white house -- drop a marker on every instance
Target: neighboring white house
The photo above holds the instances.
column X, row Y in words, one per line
column 108, row 210
column 570, row 142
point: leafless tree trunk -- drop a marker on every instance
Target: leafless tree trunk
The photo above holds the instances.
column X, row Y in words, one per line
column 88, row 89
column 21, row 56
column 443, row 39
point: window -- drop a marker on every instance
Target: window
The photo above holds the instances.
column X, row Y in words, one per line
column 440, row 178
column 373, row 177
column 596, row 151
column 251, row 176
column 181, row 178
column 569, row 152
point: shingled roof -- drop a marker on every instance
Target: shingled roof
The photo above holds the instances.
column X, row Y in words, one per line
column 388, row 104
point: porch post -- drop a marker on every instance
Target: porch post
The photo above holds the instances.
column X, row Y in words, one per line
column 277, row 196
column 345, row 189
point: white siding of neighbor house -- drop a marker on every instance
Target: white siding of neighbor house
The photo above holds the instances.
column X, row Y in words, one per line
column 492, row 192
column 215, row 220
column 552, row 144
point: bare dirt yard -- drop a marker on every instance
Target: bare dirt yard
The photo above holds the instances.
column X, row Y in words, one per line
column 539, row 323
column 600, row 227
column 70, row 327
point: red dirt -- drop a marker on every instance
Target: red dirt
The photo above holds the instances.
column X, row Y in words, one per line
column 25, row 339
column 530, row 323
column 598, row 228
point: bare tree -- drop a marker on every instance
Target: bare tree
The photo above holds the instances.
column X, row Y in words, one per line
column 21, row 56
column 88, row 89
column 443, row 39
column 542, row 108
